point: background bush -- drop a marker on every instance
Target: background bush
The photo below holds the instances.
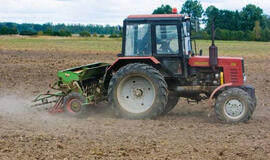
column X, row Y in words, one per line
column 28, row 33
column 113, row 35
column 85, row 34
column 61, row 33
column 8, row 31
column 95, row 35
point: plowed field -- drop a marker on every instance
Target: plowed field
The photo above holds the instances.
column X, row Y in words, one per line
column 29, row 65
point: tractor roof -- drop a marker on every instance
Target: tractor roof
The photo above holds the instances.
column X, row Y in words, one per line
column 156, row 16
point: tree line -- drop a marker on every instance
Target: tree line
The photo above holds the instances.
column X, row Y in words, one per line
column 249, row 24
column 8, row 28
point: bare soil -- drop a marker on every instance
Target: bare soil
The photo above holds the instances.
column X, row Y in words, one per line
column 185, row 133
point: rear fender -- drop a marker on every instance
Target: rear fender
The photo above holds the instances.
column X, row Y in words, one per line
column 122, row 61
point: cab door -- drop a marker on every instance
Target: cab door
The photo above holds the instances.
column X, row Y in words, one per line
column 167, row 47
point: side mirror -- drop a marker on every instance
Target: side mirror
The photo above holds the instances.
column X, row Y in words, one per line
column 201, row 52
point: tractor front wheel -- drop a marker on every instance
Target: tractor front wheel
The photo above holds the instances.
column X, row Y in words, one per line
column 74, row 104
column 138, row 91
column 234, row 105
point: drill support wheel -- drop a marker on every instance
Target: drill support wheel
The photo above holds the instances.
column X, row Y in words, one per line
column 74, row 104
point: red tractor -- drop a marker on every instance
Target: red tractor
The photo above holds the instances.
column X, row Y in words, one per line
column 156, row 68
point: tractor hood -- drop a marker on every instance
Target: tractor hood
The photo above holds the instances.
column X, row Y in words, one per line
column 233, row 67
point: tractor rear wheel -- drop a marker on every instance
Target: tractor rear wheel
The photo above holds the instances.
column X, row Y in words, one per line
column 172, row 102
column 73, row 104
column 138, row 91
column 234, row 105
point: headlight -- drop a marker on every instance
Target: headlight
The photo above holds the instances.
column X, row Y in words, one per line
column 243, row 70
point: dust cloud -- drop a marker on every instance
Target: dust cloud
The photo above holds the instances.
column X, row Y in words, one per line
column 18, row 109
column 14, row 106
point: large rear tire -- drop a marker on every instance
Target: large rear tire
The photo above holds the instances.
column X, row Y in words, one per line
column 172, row 102
column 138, row 91
column 234, row 105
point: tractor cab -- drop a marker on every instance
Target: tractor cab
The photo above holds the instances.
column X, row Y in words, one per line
column 165, row 37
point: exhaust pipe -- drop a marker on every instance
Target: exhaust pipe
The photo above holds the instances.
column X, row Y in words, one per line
column 182, row 90
column 213, row 50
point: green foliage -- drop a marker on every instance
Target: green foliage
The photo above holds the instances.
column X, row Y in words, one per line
column 257, row 30
column 101, row 36
column 113, row 35
column 163, row 9
column 249, row 24
column 28, row 33
column 249, row 36
column 267, row 21
column 121, row 34
column 234, row 20
column 265, row 34
column 211, row 12
column 65, row 33
column 202, row 34
column 249, row 15
column 224, row 34
column 4, row 30
column 225, row 19
column 95, row 35
column 85, row 34
column 61, row 33
column 40, row 33
column 238, row 35
column 49, row 28
column 48, row 32
column 193, row 8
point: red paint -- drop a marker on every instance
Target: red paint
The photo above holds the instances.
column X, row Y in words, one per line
column 156, row 16
column 232, row 67
column 58, row 107
column 134, row 58
column 69, row 105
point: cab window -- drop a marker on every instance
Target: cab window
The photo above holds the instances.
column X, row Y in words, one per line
column 167, row 39
column 138, row 40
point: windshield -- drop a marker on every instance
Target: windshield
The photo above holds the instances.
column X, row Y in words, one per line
column 167, row 39
column 138, row 40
